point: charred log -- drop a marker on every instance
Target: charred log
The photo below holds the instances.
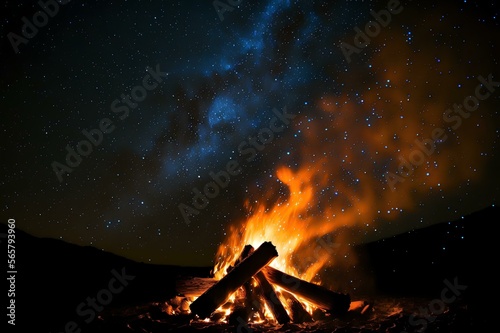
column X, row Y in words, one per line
column 335, row 303
column 253, row 303
column 266, row 291
column 298, row 313
column 272, row 299
column 219, row 293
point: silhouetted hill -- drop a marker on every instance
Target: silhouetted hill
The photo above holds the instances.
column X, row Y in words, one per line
column 417, row 262
column 54, row 277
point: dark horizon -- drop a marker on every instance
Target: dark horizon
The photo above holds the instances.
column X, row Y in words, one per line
column 469, row 218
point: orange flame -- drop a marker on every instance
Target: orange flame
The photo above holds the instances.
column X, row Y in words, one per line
column 353, row 140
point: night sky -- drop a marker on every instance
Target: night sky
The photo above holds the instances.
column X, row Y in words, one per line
column 212, row 85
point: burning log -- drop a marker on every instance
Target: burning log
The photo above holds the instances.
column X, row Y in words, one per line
column 252, row 300
column 272, row 299
column 299, row 314
column 219, row 293
column 335, row 303
column 267, row 292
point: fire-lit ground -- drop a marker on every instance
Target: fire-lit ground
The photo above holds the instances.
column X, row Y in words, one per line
column 386, row 315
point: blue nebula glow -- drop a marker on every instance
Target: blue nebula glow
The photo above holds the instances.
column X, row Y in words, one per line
column 246, row 81
column 223, row 110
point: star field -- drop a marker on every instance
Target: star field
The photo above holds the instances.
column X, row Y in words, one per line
column 354, row 120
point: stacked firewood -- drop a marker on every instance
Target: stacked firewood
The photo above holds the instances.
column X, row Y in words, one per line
column 251, row 267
